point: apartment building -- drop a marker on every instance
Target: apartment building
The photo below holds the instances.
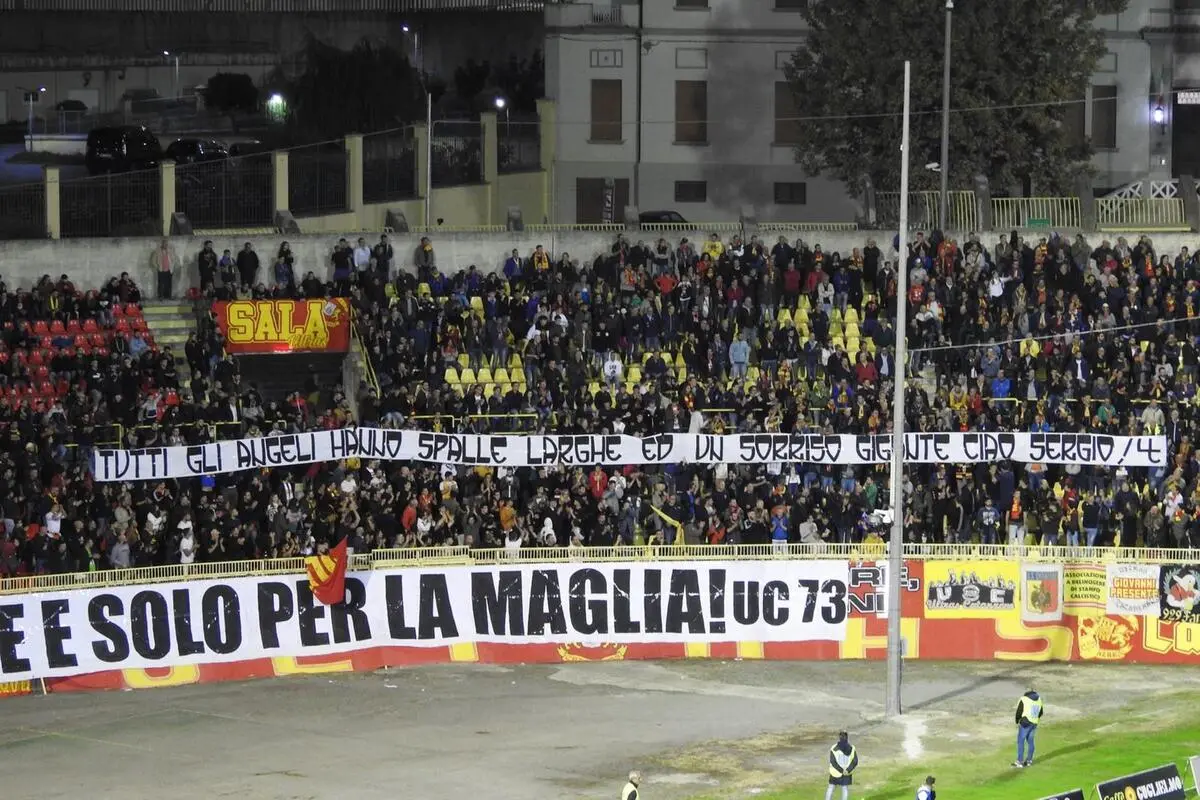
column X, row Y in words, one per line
column 682, row 105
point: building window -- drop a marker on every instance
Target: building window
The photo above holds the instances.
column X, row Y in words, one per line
column 691, row 3
column 787, row 126
column 1104, row 117
column 606, row 111
column 1074, row 124
column 791, row 194
column 691, row 112
column 791, row 5
column 691, row 192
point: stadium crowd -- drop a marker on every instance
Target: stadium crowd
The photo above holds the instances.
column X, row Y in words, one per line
column 651, row 336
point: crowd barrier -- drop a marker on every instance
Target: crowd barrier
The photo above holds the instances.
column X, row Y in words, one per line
column 222, row 622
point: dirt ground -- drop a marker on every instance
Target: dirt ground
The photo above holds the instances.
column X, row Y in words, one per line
column 724, row 729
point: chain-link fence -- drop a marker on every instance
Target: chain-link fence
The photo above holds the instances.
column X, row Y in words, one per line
column 457, row 157
column 389, row 166
column 230, row 193
column 23, row 211
column 118, row 204
column 519, row 145
column 317, row 178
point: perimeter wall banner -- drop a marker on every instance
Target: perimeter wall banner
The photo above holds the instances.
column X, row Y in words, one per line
column 669, row 448
column 778, row 609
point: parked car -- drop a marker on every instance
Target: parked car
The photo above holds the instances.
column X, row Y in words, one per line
column 122, row 149
column 661, row 218
column 195, row 151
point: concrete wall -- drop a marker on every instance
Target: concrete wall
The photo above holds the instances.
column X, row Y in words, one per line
column 91, row 262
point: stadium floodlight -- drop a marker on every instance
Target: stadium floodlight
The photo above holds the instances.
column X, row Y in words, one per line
column 895, row 642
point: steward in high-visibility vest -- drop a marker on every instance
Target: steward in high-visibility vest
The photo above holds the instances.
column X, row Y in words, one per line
column 843, row 760
column 925, row 790
column 1029, row 714
column 630, row 792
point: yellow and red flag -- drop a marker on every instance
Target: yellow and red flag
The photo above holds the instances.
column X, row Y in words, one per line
column 327, row 575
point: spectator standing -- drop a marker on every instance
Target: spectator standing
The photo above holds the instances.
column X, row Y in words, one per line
column 164, row 264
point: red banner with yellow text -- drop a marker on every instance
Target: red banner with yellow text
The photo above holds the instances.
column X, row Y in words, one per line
column 284, row 326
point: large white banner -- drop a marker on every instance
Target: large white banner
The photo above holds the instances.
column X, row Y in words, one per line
column 176, row 624
column 1133, row 589
column 668, row 448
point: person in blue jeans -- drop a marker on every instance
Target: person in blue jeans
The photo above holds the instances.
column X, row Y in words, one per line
column 1029, row 714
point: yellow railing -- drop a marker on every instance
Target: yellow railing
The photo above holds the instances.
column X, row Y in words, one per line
column 805, row 227
column 448, row 556
column 924, row 210
column 364, row 357
column 1032, row 212
column 1141, row 214
column 708, row 227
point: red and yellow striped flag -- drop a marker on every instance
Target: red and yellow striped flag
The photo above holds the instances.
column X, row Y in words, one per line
column 327, row 575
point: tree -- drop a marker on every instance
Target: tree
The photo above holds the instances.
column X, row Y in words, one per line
column 1026, row 63
column 520, row 81
column 231, row 93
column 371, row 87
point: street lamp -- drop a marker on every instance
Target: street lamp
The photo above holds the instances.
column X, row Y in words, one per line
column 416, row 62
column 168, row 54
column 1159, row 115
column 31, row 97
column 944, row 198
column 502, row 105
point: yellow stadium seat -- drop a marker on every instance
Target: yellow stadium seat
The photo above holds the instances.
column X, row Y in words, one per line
column 500, row 375
column 804, row 305
column 852, row 346
column 835, row 315
column 477, row 304
column 851, row 315
column 634, row 375
column 488, row 388
column 515, row 364
column 467, row 377
column 452, row 376
column 629, row 387
column 753, row 374
column 852, row 330
column 464, row 361
column 871, row 347
column 679, row 362
column 593, row 388
column 646, row 357
column 423, row 290
column 784, row 317
column 801, row 317
column 835, row 328
column 681, row 374
column 484, row 375
column 838, row 344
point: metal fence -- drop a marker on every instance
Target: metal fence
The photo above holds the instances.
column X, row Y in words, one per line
column 519, row 145
column 389, row 166
column 119, row 204
column 923, row 210
column 1035, row 212
column 317, row 178
column 1141, row 214
column 457, row 157
column 23, row 211
column 231, row 193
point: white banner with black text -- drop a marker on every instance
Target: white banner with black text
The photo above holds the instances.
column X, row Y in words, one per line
column 1085, row 449
column 59, row 634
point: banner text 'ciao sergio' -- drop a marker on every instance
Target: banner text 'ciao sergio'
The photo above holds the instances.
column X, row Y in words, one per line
column 167, row 625
column 669, row 448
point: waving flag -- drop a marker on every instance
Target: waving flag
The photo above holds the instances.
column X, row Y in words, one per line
column 327, row 575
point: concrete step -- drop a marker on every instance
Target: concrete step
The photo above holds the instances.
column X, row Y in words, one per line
column 176, row 340
column 166, row 308
column 170, row 323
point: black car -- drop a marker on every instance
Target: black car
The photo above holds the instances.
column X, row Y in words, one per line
column 122, row 149
column 196, row 151
column 661, row 218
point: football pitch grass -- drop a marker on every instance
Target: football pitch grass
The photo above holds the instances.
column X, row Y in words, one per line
column 1074, row 754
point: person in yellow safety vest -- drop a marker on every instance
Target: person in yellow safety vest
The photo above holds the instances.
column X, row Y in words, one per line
column 630, row 792
column 843, row 760
column 1029, row 714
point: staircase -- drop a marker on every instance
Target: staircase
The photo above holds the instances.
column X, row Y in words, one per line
column 170, row 322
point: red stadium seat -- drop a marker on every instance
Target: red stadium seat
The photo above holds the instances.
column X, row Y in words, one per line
column 42, row 372
column 57, row 328
column 122, row 326
column 74, row 327
column 67, row 352
column 84, row 349
column 98, row 340
column 62, row 388
column 45, row 389
column 118, row 310
column 46, row 342
column 80, row 340
column 36, row 359
column 90, row 326
column 133, row 310
column 101, row 352
column 41, row 328
column 139, row 325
